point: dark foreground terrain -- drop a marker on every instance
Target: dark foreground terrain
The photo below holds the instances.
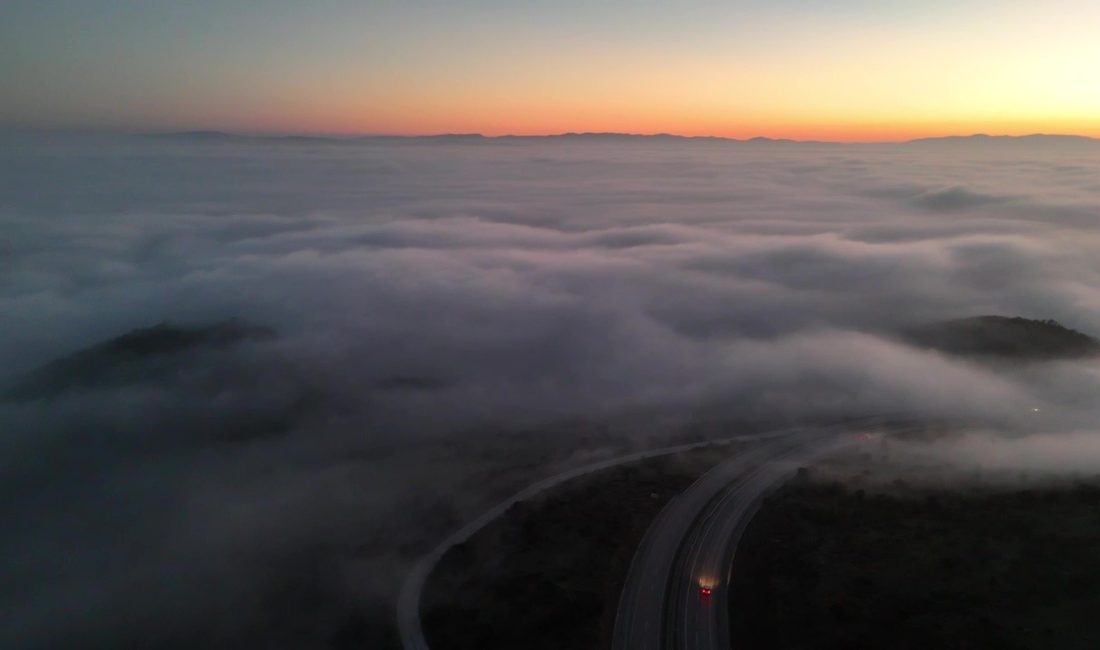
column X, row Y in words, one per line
column 827, row 564
column 548, row 574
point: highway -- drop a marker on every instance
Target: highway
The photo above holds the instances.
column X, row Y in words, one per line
column 408, row 602
column 693, row 536
column 692, row 541
column 640, row 623
column 697, row 621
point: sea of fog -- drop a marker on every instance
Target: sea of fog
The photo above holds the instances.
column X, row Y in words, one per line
column 448, row 312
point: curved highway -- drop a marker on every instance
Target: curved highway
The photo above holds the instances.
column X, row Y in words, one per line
column 697, row 621
column 408, row 602
column 691, row 542
column 640, row 623
column 690, row 538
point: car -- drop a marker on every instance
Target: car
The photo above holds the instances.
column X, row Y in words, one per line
column 705, row 591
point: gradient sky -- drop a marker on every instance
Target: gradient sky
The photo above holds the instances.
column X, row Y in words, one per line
column 830, row 69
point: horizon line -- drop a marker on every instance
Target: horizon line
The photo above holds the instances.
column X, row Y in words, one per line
column 338, row 137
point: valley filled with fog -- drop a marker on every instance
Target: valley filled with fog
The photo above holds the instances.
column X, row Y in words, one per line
column 444, row 320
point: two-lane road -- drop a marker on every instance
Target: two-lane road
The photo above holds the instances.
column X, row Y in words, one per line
column 695, row 621
column 691, row 544
column 644, row 610
column 408, row 603
column 641, row 622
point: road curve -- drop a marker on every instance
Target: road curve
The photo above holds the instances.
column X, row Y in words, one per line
column 696, row 622
column 408, row 601
column 693, row 538
column 640, row 620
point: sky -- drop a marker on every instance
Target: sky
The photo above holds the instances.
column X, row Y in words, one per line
column 807, row 69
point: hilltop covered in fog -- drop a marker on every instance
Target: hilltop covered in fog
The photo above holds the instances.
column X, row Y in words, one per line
column 1005, row 337
column 141, row 356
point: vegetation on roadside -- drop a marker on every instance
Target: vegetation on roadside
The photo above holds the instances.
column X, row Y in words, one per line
column 547, row 575
column 832, row 565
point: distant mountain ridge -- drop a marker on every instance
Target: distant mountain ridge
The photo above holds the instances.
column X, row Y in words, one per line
column 611, row 136
column 223, row 136
column 985, row 139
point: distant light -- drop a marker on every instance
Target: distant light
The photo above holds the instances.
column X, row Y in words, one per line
column 1035, row 409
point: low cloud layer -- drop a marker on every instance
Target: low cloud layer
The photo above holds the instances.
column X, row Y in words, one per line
column 1042, row 456
column 431, row 297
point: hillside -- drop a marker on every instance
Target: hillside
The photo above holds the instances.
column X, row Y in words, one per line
column 873, row 562
column 140, row 355
column 1004, row 337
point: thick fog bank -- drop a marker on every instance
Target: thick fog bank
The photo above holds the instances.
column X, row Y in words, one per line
column 439, row 309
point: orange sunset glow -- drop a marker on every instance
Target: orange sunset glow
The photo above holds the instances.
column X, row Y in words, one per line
column 854, row 71
column 549, row 324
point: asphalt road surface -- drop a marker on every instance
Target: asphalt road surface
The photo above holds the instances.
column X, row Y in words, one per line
column 640, row 623
column 699, row 621
column 408, row 602
column 692, row 538
column 690, row 544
